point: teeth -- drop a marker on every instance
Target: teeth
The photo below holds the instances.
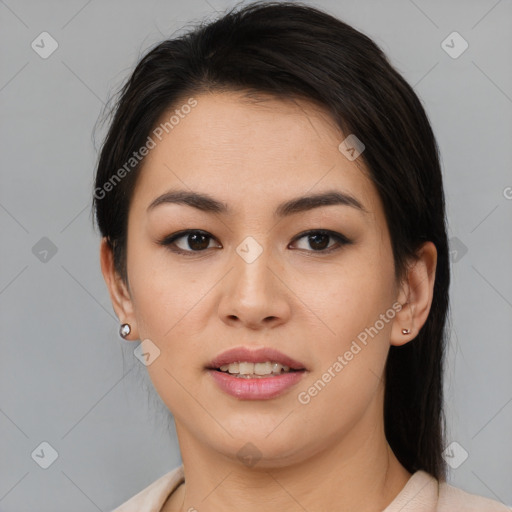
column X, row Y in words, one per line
column 263, row 368
column 245, row 369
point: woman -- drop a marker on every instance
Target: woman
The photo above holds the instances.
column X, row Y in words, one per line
column 272, row 210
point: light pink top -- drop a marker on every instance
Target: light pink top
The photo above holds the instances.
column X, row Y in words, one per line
column 421, row 493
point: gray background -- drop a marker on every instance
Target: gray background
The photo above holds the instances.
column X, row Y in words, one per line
column 68, row 379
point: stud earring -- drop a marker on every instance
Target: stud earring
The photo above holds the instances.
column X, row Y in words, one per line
column 124, row 330
column 405, row 331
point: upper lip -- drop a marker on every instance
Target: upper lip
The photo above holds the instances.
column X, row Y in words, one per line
column 254, row 355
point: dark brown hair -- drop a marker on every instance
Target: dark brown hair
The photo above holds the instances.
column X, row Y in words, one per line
column 292, row 50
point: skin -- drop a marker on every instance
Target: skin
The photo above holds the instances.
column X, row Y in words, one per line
column 309, row 305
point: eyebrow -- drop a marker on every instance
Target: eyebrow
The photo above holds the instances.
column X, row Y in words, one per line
column 206, row 203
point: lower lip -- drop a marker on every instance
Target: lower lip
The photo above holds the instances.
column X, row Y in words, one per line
column 262, row 388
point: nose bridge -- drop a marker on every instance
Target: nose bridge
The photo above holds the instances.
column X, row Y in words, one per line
column 252, row 261
column 253, row 294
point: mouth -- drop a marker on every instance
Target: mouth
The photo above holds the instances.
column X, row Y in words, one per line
column 255, row 374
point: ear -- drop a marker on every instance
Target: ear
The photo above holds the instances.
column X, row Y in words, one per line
column 119, row 293
column 415, row 295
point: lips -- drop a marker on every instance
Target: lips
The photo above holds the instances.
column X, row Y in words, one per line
column 257, row 355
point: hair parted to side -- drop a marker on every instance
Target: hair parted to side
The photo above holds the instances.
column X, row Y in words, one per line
column 292, row 50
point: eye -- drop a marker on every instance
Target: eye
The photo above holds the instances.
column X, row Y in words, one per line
column 196, row 240
column 199, row 241
column 319, row 240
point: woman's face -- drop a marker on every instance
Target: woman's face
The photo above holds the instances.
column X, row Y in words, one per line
column 253, row 282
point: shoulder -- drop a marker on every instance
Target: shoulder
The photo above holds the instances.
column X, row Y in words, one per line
column 453, row 499
column 425, row 493
column 152, row 497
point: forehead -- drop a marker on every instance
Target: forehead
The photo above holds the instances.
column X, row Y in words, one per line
column 241, row 149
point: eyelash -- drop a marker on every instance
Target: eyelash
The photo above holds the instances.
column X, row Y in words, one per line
column 168, row 241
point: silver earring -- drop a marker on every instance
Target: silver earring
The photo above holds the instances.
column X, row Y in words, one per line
column 124, row 330
column 406, row 331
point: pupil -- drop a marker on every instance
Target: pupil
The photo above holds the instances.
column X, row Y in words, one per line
column 195, row 237
column 314, row 245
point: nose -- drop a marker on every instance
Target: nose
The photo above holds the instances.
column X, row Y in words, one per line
column 254, row 293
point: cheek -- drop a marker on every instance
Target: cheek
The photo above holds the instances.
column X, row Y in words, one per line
column 354, row 303
column 349, row 365
column 163, row 292
column 348, row 296
column 169, row 312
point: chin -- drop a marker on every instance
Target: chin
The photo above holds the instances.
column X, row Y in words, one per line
column 256, row 448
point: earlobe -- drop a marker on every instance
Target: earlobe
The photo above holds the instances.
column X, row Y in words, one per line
column 415, row 296
column 119, row 294
column 403, row 330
